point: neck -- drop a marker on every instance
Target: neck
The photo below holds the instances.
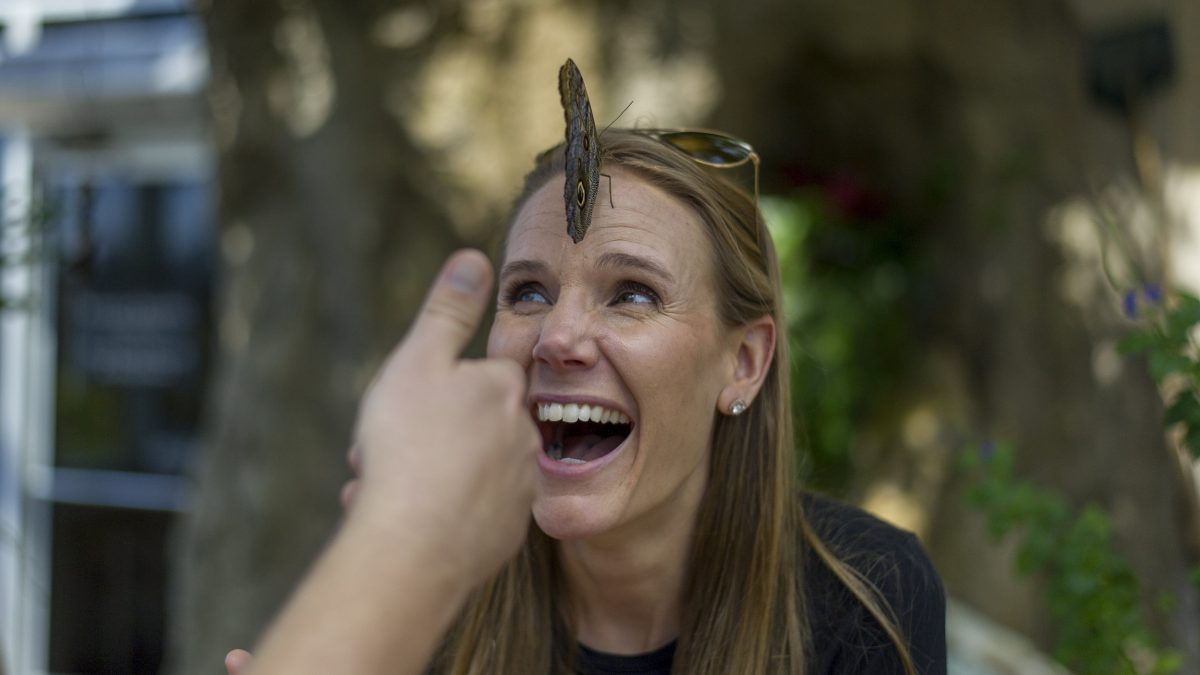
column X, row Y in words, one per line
column 626, row 587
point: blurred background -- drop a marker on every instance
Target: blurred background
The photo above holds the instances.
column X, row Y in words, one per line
column 218, row 216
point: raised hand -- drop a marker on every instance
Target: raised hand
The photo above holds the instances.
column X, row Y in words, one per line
column 445, row 450
column 447, row 446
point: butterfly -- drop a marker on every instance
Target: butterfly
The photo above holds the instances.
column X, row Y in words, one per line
column 583, row 151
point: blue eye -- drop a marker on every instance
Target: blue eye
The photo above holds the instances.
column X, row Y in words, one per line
column 531, row 295
column 635, row 294
column 525, row 292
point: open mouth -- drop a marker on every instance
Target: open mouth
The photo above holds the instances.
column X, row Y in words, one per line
column 577, row 434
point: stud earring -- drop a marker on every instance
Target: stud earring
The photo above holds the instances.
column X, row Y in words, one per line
column 739, row 406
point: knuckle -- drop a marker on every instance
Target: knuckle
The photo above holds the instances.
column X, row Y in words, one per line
column 511, row 376
column 505, row 370
column 505, row 378
column 449, row 310
column 349, row 491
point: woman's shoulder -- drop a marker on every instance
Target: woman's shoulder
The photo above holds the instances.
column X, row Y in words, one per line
column 855, row 533
column 846, row 638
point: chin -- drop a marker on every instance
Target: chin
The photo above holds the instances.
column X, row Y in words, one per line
column 569, row 517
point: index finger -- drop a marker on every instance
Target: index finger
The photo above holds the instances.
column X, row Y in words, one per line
column 452, row 310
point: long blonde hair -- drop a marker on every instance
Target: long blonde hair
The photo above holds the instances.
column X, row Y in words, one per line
column 743, row 595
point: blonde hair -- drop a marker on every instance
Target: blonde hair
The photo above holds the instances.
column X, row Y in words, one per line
column 743, row 599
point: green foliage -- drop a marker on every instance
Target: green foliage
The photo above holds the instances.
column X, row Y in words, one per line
column 1091, row 592
column 844, row 281
column 848, row 291
column 1168, row 340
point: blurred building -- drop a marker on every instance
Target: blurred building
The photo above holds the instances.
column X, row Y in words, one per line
column 107, row 245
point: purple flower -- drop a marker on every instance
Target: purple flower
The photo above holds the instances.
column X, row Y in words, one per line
column 1131, row 304
column 987, row 450
column 1152, row 292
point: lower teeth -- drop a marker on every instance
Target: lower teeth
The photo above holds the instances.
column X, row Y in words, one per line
column 555, row 450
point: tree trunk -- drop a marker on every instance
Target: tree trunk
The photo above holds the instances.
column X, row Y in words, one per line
column 329, row 236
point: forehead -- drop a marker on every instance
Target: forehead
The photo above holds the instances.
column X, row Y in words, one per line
column 641, row 220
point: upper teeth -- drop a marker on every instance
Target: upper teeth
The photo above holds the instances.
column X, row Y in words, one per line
column 573, row 412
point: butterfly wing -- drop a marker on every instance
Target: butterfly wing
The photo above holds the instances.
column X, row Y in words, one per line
column 583, row 151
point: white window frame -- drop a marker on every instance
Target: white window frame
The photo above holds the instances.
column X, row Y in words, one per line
column 27, row 367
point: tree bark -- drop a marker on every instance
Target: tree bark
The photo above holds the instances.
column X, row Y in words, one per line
column 329, row 235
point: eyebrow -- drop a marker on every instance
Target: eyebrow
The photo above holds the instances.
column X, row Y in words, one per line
column 609, row 260
column 625, row 260
column 529, row 267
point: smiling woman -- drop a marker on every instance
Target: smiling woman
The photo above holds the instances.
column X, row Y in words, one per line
column 668, row 533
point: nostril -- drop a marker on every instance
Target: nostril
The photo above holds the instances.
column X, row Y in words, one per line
column 565, row 339
column 565, row 355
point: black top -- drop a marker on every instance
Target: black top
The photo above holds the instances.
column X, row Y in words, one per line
column 845, row 637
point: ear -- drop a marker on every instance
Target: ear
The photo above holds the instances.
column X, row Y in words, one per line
column 755, row 348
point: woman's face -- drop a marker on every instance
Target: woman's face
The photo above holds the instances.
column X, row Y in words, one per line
column 625, row 320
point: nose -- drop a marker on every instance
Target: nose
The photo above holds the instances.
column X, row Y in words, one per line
column 566, row 341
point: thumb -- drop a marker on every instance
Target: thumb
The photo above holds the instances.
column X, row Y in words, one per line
column 237, row 662
column 451, row 313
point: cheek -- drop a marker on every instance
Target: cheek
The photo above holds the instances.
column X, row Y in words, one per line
column 681, row 374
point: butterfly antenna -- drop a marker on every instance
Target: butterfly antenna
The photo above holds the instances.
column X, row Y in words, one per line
column 627, row 106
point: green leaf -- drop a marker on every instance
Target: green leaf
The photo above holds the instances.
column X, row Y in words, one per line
column 969, row 459
column 1037, row 551
column 1163, row 364
column 1165, row 602
column 1185, row 409
column 1191, row 441
column 1180, row 321
column 1168, row 662
column 1091, row 592
column 1187, row 308
column 1139, row 341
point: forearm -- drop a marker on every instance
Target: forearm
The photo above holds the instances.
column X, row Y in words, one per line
column 374, row 603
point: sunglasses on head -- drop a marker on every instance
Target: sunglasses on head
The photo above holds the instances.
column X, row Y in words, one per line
column 713, row 148
column 710, row 148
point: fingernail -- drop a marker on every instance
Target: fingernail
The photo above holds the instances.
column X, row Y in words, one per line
column 467, row 274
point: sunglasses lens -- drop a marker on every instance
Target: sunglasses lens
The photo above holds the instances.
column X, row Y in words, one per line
column 709, row 148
